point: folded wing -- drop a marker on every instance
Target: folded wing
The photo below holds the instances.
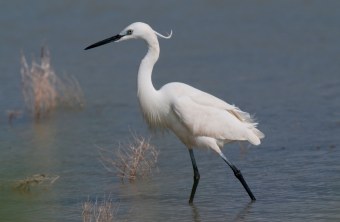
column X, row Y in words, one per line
column 206, row 115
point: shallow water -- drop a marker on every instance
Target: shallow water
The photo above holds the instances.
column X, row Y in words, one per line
column 279, row 60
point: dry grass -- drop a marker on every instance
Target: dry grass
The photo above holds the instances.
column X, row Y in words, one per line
column 70, row 93
column 43, row 90
column 25, row 185
column 131, row 161
column 103, row 211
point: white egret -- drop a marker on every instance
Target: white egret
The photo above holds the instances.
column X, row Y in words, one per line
column 197, row 118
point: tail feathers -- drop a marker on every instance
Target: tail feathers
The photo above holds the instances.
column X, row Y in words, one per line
column 255, row 136
column 258, row 133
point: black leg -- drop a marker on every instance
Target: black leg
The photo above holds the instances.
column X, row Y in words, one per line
column 196, row 176
column 239, row 176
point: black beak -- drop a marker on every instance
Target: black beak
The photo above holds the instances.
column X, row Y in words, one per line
column 105, row 41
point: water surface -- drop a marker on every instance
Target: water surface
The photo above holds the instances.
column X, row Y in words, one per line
column 276, row 59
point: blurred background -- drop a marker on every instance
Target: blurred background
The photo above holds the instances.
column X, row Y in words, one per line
column 278, row 60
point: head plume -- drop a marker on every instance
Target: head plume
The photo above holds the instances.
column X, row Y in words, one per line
column 162, row 36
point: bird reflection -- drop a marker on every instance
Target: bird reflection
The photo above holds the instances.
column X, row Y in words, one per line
column 243, row 212
column 195, row 213
column 240, row 216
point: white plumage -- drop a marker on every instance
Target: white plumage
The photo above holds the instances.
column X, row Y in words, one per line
column 197, row 118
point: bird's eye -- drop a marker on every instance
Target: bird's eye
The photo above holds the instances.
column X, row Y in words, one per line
column 129, row 32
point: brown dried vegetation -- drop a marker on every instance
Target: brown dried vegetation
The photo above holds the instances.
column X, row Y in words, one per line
column 44, row 90
column 41, row 180
column 131, row 161
column 103, row 211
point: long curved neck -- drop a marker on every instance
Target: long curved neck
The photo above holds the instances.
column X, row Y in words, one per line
column 145, row 86
column 149, row 98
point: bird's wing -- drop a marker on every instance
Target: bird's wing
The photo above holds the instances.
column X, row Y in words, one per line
column 206, row 99
column 207, row 120
column 209, row 100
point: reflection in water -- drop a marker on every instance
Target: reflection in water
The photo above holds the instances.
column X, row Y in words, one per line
column 44, row 134
column 240, row 216
column 244, row 212
column 43, row 154
column 195, row 213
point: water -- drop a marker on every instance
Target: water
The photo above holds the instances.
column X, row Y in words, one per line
column 277, row 59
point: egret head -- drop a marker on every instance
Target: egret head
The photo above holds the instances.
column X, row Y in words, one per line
column 137, row 30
